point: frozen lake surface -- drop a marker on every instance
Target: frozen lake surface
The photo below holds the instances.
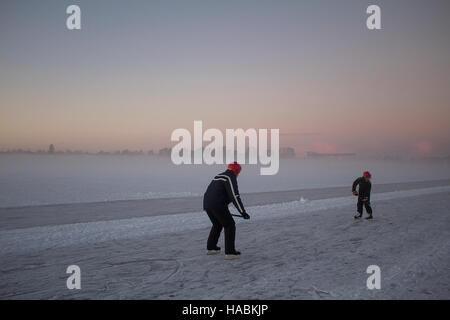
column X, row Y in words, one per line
column 308, row 248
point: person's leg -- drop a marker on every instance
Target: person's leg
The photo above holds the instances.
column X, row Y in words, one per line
column 214, row 234
column 359, row 208
column 368, row 208
column 230, row 236
column 227, row 221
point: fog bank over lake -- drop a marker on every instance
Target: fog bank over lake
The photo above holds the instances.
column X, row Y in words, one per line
column 51, row 179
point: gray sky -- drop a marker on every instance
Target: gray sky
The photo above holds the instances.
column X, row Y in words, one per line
column 137, row 70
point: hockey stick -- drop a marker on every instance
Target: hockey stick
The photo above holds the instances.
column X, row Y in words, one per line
column 237, row 215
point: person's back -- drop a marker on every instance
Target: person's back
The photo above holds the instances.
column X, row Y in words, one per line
column 216, row 195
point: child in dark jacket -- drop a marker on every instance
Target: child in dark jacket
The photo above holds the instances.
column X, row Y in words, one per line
column 363, row 194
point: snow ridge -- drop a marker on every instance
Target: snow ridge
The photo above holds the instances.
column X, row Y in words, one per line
column 48, row 237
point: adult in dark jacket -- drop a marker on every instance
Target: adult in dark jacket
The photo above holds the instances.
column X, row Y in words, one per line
column 223, row 190
column 364, row 187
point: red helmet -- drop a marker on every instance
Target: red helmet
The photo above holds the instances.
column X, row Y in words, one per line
column 235, row 167
column 367, row 175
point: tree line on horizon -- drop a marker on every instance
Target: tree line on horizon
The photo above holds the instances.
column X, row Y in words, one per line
column 284, row 152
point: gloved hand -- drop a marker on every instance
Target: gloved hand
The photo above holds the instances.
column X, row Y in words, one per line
column 245, row 216
column 355, row 193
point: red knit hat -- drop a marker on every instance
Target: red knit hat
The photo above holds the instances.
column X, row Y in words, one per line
column 235, row 167
column 367, row 175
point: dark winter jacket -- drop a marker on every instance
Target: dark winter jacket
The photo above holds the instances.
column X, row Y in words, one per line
column 364, row 187
column 222, row 191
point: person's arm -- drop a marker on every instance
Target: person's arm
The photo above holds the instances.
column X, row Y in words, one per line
column 355, row 184
column 233, row 194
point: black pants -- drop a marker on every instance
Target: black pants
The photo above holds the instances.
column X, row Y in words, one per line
column 366, row 204
column 221, row 218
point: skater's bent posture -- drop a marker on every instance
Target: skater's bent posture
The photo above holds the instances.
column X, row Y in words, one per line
column 363, row 194
column 223, row 190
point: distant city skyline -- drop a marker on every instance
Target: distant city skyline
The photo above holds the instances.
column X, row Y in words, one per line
column 138, row 70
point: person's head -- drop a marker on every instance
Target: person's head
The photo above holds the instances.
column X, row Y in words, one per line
column 235, row 167
column 367, row 175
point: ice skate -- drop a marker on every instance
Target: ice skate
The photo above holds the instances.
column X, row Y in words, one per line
column 233, row 255
column 216, row 250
